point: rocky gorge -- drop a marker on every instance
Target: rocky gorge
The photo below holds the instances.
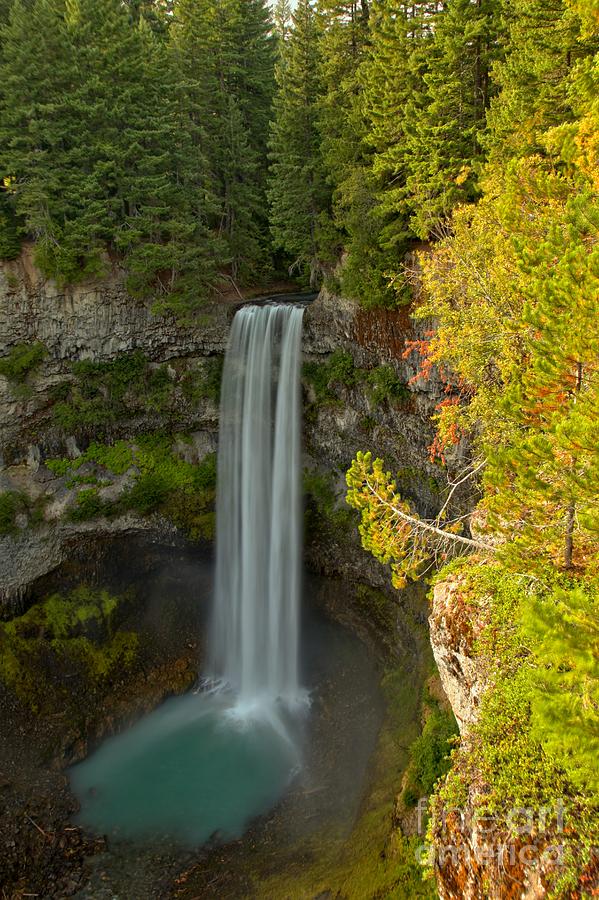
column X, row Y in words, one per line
column 90, row 367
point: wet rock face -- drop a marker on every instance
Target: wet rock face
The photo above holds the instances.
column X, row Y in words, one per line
column 35, row 552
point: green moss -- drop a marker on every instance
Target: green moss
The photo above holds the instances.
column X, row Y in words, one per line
column 20, row 364
column 88, row 505
column 384, row 384
column 11, row 504
column 163, row 483
column 430, row 752
column 62, row 632
column 102, row 393
column 323, row 513
column 61, row 467
column 339, row 368
column 377, row 608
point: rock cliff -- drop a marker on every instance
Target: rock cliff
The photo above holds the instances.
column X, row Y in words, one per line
column 101, row 323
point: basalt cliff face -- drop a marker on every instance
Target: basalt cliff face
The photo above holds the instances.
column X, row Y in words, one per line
column 100, row 323
column 97, row 321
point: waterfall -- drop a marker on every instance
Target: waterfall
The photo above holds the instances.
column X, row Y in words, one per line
column 255, row 628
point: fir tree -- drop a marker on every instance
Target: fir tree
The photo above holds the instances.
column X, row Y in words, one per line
column 225, row 54
column 343, row 45
column 443, row 140
column 43, row 147
column 282, row 20
column 298, row 194
column 392, row 74
column 543, row 43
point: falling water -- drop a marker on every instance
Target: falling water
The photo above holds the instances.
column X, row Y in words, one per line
column 254, row 635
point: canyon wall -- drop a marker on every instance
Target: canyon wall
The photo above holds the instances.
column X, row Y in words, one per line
column 100, row 322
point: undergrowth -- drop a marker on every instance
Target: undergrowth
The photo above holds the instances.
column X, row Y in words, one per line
column 20, row 365
column 101, row 394
column 75, row 633
column 381, row 384
column 507, row 750
column 161, row 482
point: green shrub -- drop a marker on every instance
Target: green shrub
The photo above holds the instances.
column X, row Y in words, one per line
column 508, row 751
column 162, row 483
column 323, row 515
column 105, row 392
column 11, row 503
column 88, row 506
column 212, row 378
column 384, row 384
column 148, row 493
column 204, row 474
column 339, row 368
column 430, row 752
column 10, row 242
column 20, row 363
column 77, row 629
column 117, row 457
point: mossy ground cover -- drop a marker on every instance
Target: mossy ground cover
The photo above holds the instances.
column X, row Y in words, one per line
column 324, row 515
column 20, row 365
column 377, row 860
column 62, row 637
column 161, row 482
column 505, row 753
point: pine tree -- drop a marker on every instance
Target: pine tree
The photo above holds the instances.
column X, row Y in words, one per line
column 343, row 44
column 42, row 138
column 543, row 43
column 225, row 55
column 393, row 89
column 443, row 139
column 546, row 479
column 282, row 20
column 563, row 629
column 170, row 253
column 95, row 151
column 299, row 195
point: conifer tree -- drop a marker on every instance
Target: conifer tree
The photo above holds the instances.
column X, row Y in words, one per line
column 563, row 629
column 170, row 253
column 544, row 41
column 298, row 194
column 443, row 141
column 42, row 138
column 225, row 55
column 343, row 44
column 392, row 75
column 282, row 19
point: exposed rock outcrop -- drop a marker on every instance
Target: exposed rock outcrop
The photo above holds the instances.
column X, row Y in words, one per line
column 98, row 321
column 452, row 634
column 512, row 853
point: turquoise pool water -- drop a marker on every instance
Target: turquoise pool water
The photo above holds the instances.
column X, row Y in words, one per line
column 189, row 771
